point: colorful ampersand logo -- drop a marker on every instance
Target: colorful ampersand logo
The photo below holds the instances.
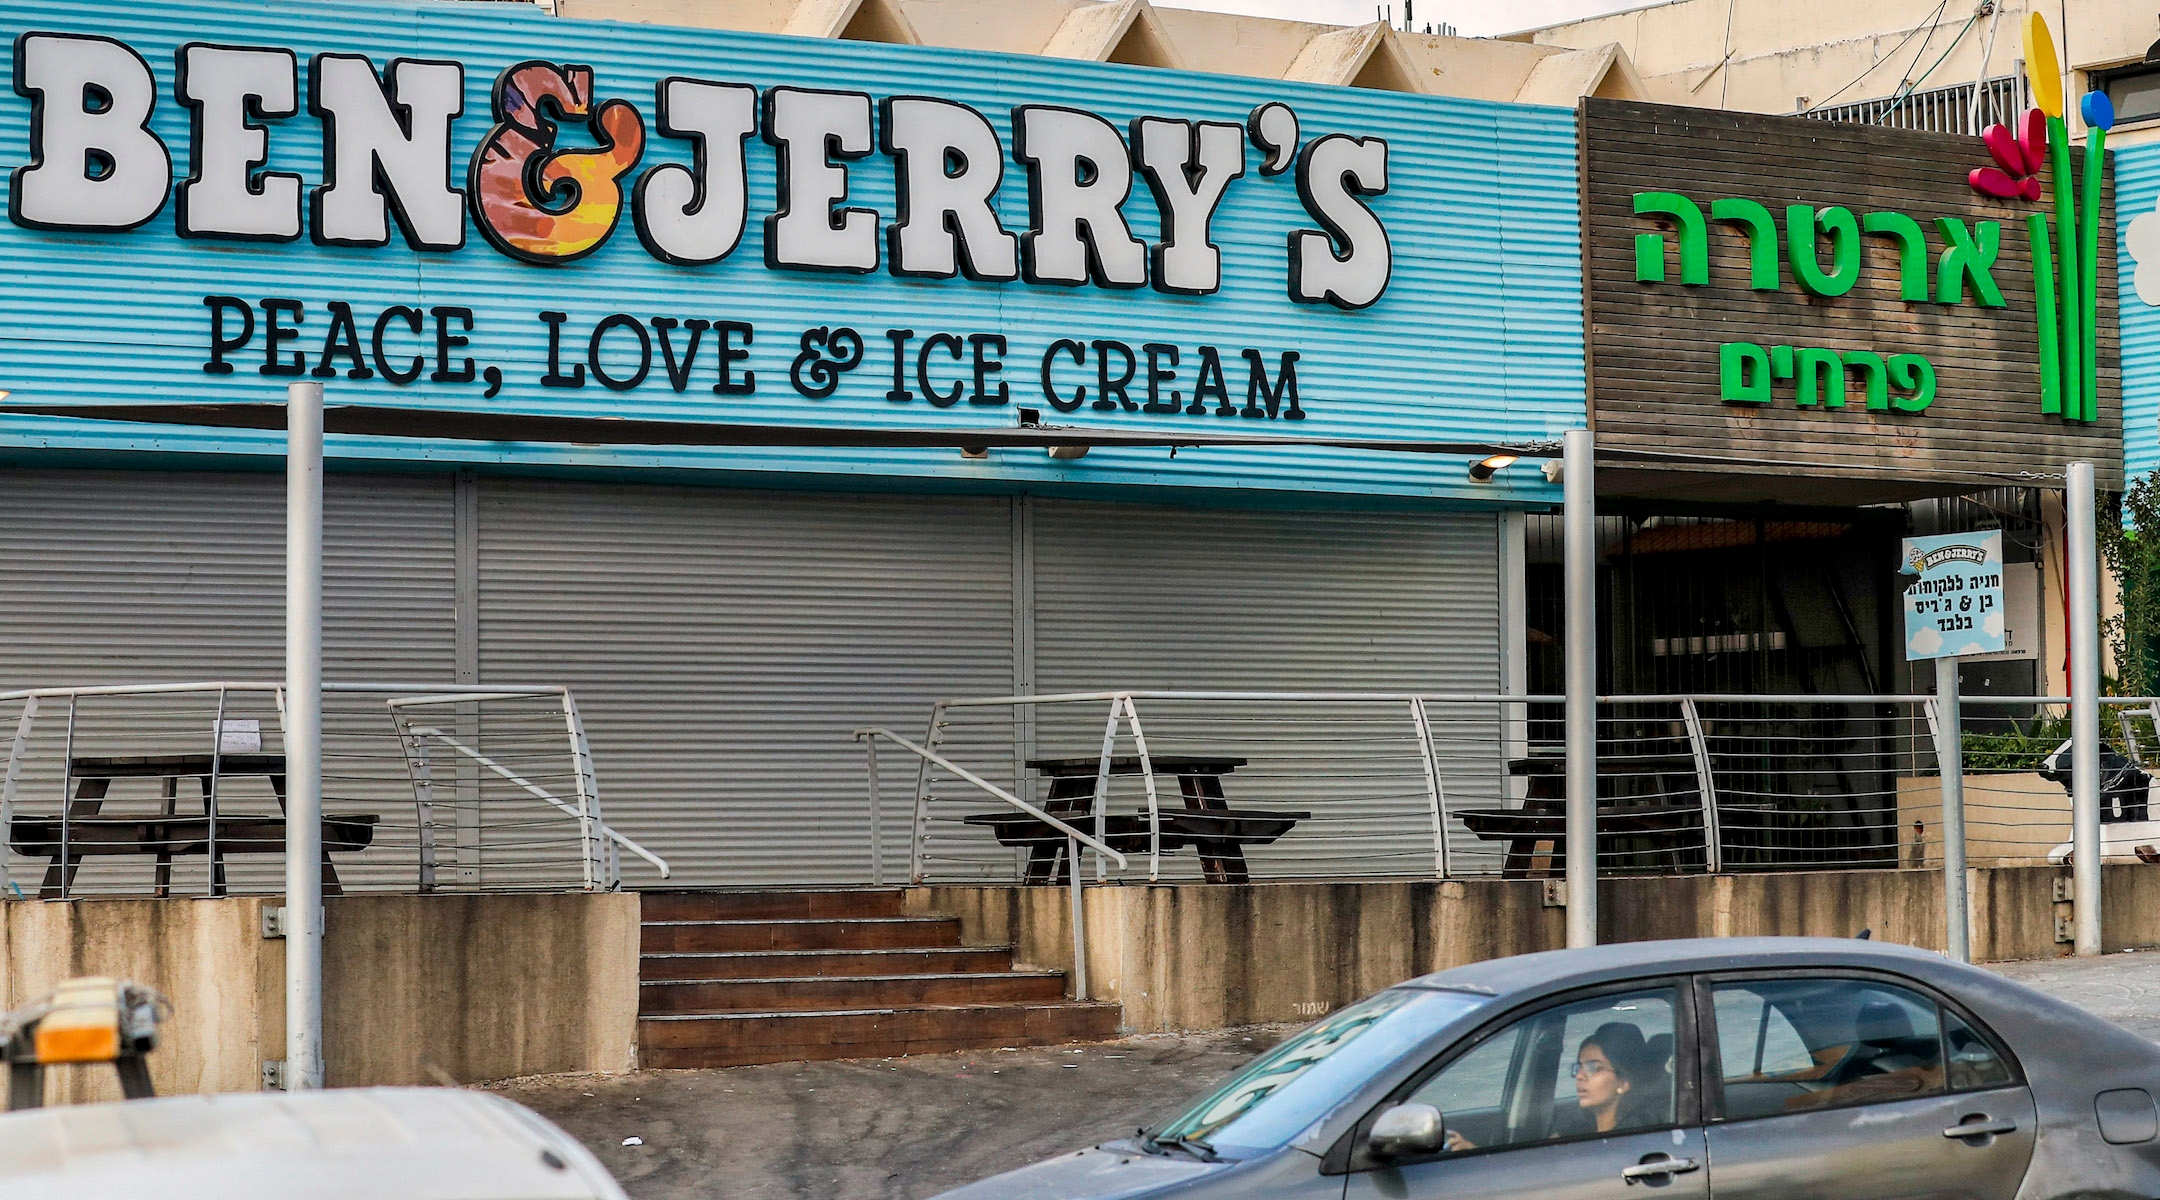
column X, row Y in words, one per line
column 539, row 203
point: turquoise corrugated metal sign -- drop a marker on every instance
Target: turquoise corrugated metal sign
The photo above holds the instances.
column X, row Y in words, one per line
column 2137, row 195
column 1477, row 336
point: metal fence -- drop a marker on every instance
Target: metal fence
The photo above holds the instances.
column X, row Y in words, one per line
column 179, row 790
column 1313, row 785
column 1937, row 110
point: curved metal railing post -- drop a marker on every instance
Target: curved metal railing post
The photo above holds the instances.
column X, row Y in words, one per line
column 1147, row 777
column 1706, row 784
column 918, row 847
column 1436, row 798
column 1100, row 807
column 210, row 803
column 67, row 800
column 8, row 784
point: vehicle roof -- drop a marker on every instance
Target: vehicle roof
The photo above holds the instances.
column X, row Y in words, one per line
column 411, row 1143
column 1553, row 970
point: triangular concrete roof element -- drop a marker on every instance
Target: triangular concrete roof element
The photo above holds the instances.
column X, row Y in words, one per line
column 853, row 21
column 1602, row 71
column 1118, row 31
column 1364, row 56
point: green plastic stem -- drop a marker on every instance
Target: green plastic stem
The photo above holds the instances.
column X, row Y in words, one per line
column 2051, row 397
column 2089, row 273
column 2069, row 305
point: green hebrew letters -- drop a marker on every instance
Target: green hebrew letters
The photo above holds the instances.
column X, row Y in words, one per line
column 1878, row 376
column 1819, row 368
column 1694, row 239
column 1964, row 259
column 1761, row 229
column 1912, row 373
column 1912, row 250
column 1801, row 221
column 1781, row 361
column 1743, row 373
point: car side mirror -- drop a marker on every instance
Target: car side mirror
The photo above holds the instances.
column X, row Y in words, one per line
column 1407, row 1130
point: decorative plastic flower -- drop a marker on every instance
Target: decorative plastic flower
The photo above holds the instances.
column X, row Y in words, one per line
column 2016, row 172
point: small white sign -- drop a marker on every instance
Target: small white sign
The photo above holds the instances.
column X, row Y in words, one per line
column 1954, row 602
column 239, row 737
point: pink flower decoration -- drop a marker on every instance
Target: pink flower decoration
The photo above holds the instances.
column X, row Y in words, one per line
column 2015, row 175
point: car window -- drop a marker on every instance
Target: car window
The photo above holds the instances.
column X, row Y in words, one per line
column 1973, row 1063
column 1278, row 1095
column 1593, row 1066
column 1793, row 1045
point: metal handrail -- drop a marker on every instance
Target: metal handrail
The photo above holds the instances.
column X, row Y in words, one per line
column 1074, row 839
column 581, row 812
column 598, row 839
column 932, row 756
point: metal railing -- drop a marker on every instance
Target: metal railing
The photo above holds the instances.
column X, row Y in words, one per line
column 1467, row 785
column 514, row 805
column 1074, row 838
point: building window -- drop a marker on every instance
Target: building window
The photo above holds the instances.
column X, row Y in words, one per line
column 2134, row 90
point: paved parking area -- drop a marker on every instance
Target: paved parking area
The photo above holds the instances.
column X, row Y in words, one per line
column 907, row 1128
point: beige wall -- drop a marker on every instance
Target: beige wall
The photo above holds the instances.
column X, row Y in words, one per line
column 1776, row 51
column 1255, row 47
column 416, row 988
column 1206, row 957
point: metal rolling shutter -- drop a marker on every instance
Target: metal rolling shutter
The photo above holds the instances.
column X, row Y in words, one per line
column 723, row 644
column 167, row 576
column 1140, row 597
column 119, row 577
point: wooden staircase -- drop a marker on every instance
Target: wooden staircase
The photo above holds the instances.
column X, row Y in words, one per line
column 732, row 978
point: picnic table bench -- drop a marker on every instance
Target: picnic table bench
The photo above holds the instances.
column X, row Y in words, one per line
column 1206, row 822
column 169, row 834
column 1666, row 825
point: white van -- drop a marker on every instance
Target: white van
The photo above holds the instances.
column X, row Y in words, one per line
column 357, row 1144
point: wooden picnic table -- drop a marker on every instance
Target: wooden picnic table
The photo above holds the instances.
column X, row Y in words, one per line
column 1666, row 825
column 88, row 832
column 1206, row 822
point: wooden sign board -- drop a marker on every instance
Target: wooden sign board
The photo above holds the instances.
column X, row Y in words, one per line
column 1906, row 365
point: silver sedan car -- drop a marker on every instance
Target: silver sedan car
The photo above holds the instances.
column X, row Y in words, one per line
column 1751, row 1069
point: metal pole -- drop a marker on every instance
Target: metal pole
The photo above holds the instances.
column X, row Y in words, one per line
column 1079, row 918
column 2084, row 706
column 877, row 818
column 303, row 736
column 1580, row 483
column 1950, row 761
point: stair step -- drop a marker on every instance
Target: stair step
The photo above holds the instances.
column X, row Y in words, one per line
column 818, row 964
column 847, row 992
column 743, row 1038
column 817, row 933
column 769, row 906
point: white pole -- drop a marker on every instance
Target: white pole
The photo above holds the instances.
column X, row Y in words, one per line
column 303, row 736
column 1950, row 759
column 2084, row 706
column 1580, row 484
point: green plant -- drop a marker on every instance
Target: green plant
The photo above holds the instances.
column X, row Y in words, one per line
column 2021, row 749
column 2129, row 535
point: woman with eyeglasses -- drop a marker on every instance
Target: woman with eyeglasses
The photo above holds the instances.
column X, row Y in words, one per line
column 1619, row 1082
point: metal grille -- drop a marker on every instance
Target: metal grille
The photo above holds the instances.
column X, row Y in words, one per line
column 1935, row 110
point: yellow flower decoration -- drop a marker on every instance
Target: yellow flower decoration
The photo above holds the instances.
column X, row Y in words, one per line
column 2042, row 67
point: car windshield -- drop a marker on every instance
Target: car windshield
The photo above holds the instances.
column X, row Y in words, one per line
column 1272, row 1100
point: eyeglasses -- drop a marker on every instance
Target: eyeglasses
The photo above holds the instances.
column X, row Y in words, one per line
column 1592, row 1067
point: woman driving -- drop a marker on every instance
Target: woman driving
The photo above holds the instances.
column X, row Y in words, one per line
column 1620, row 1083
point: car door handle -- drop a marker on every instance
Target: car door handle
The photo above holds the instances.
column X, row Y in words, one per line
column 1980, row 1128
column 1659, row 1169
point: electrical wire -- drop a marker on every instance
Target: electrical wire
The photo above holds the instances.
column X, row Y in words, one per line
column 1914, row 86
column 1932, row 22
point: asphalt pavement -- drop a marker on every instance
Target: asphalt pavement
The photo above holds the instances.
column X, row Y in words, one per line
column 905, row 1128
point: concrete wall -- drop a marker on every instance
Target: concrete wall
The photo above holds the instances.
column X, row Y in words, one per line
column 1197, row 956
column 417, row 988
